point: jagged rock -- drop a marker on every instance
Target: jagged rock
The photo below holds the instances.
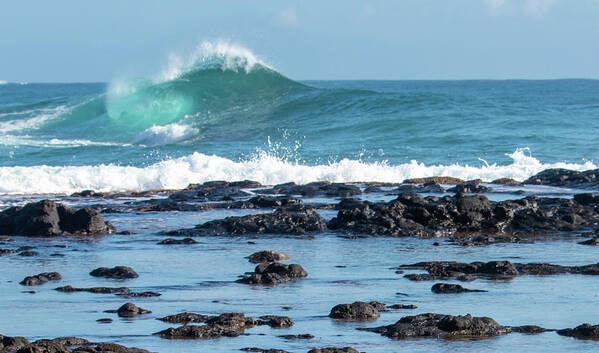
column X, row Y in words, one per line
column 184, row 318
column 333, row 350
column 267, row 256
column 428, row 187
column 565, row 177
column 275, row 321
column 296, row 219
column 47, row 218
column 357, row 311
column 225, row 325
column 274, row 273
column 319, row 188
column 97, row 290
column 446, row 288
column 41, row 278
column 129, row 310
column 584, row 331
column 120, row 272
column 9, row 344
column 470, row 187
column 214, row 191
column 173, row 241
column 442, row 326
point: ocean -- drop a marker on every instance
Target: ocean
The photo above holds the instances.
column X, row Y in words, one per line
column 225, row 115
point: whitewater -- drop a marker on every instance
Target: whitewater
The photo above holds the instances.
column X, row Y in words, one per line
column 222, row 113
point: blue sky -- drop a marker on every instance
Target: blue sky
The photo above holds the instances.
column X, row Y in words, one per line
column 74, row 40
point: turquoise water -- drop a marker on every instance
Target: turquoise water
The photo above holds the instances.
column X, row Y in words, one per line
column 233, row 117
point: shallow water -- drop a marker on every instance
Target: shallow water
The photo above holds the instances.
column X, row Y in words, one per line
column 200, row 278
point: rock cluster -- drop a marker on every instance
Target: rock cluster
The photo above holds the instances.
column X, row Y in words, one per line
column 41, row 278
column 61, row 345
column 47, row 218
column 274, row 273
column 118, row 272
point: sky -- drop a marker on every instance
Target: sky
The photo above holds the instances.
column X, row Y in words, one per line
column 82, row 41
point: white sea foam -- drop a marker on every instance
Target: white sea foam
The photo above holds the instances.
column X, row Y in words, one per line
column 40, row 116
column 165, row 135
column 227, row 56
column 10, row 140
column 198, row 168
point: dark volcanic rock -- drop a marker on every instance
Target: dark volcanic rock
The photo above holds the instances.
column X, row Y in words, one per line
column 146, row 294
column 438, row 180
column 274, row 273
column 593, row 241
column 414, row 215
column 47, row 218
column 61, row 345
column 584, row 331
column 8, row 344
column 470, row 187
column 8, row 251
column 403, row 306
column 41, row 278
column 97, row 290
column 319, row 188
column 429, row 187
column 173, row 241
column 565, row 177
column 129, row 310
column 261, row 201
column 275, row 321
column 214, row 191
column 267, row 256
column 447, row 288
column 184, row 318
column 262, row 350
column 333, row 350
column 357, row 311
column 108, row 348
column 302, row 336
column 442, row 326
column 292, row 220
column 28, row 253
column 227, row 325
column 119, row 272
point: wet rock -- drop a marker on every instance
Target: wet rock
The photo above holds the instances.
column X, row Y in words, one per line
column 428, row 187
column 184, row 318
column 108, row 348
column 104, row 320
column 446, row 288
column 129, row 310
column 44, row 346
column 529, row 329
column 333, row 350
column 403, row 306
column 47, row 218
column 262, row 350
column 173, row 241
column 441, row 326
column 438, row 180
column 224, row 325
column 146, row 294
column 119, row 272
column 319, row 188
column 593, row 241
column 486, row 239
column 292, row 220
column 505, row 181
column 96, row 290
column 267, row 256
column 470, row 187
column 584, row 331
column 565, row 177
column 274, row 273
column 303, row 336
column 275, row 321
column 9, row 344
column 414, row 215
column 29, row 253
column 262, row 201
column 419, row 277
column 214, row 191
column 357, row 311
column 7, row 251
column 41, row 279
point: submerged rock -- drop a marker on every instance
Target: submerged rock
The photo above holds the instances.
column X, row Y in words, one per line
column 173, row 241
column 119, row 272
column 129, row 310
column 357, row 311
column 97, row 290
column 262, row 350
column 292, row 220
column 47, row 218
column 274, row 273
column 446, row 288
column 41, row 279
column 593, row 241
column 333, row 350
column 442, row 326
column 584, row 331
column 267, row 256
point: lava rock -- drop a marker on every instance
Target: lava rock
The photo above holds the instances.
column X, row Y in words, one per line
column 319, row 188
column 471, row 187
column 184, row 318
column 442, row 326
column 47, row 218
column 584, row 331
column 267, row 256
column 275, row 321
column 173, row 241
column 446, row 288
column 593, row 241
column 274, row 273
column 357, row 311
column 96, row 290
column 565, row 177
column 119, row 272
column 303, row 336
column 224, row 325
column 41, row 279
column 333, row 350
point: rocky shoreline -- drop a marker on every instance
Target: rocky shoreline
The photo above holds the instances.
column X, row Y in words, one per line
column 461, row 213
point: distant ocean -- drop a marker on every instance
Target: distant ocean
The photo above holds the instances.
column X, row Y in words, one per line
column 223, row 114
